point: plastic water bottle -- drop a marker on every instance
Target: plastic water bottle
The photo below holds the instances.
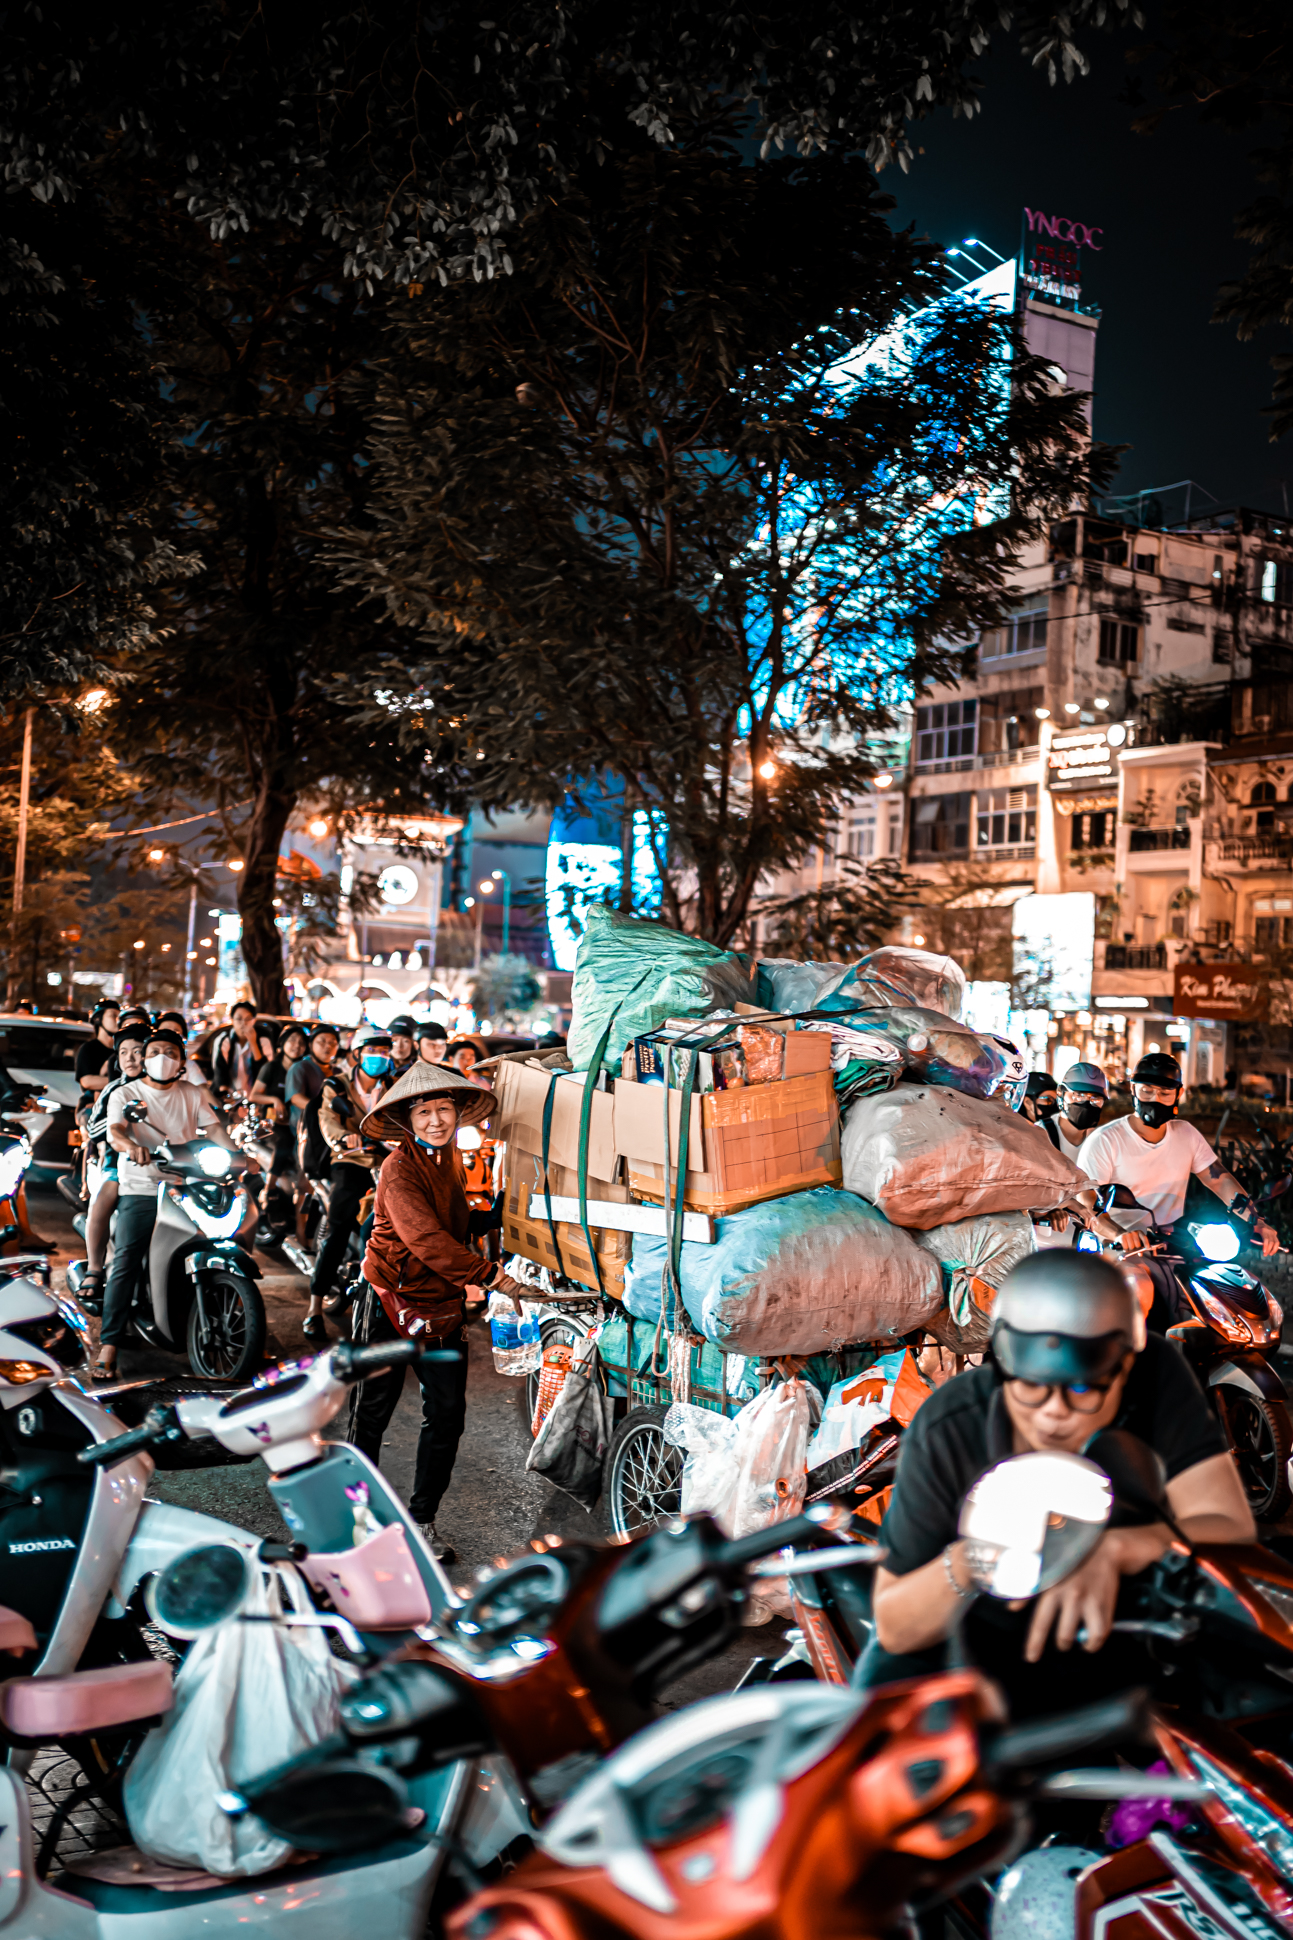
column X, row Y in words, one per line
column 514, row 1337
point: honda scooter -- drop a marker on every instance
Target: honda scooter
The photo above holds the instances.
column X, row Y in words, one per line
column 197, row 1293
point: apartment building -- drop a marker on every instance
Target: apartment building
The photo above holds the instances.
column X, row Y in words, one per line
column 1125, row 742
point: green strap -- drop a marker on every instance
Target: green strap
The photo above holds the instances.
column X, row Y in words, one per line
column 547, row 1181
column 586, row 1119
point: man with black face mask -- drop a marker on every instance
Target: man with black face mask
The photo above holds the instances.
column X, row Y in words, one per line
column 1041, row 1099
column 1084, row 1091
column 1153, row 1152
column 176, row 1112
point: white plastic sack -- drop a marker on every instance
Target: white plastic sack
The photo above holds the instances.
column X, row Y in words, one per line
column 981, row 1250
column 247, row 1697
column 769, row 1458
column 707, row 1473
column 927, row 1156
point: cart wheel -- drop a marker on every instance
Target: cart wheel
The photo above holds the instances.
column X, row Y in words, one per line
column 552, row 1333
column 643, row 1474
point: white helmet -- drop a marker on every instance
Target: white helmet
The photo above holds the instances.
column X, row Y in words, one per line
column 369, row 1034
column 42, row 1336
column 1036, row 1899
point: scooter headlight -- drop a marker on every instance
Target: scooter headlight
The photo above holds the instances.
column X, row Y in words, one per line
column 469, row 1139
column 214, row 1160
column 216, row 1225
column 14, row 1161
column 1220, row 1242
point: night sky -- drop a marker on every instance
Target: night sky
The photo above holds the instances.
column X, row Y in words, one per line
column 1184, row 393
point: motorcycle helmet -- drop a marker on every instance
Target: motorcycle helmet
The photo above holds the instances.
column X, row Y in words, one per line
column 1035, row 1900
column 1088, row 1089
column 164, row 1056
column 101, row 1009
column 1086, row 1077
column 1156, row 1068
column 436, row 1031
column 371, row 1048
column 42, row 1336
column 1038, row 1084
column 1064, row 1317
column 402, row 1026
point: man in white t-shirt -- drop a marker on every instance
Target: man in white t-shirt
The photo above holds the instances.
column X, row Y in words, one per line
column 176, row 1112
column 1153, row 1153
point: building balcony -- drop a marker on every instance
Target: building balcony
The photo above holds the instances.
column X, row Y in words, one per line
column 998, row 758
column 1258, row 853
column 1130, row 956
column 1145, row 841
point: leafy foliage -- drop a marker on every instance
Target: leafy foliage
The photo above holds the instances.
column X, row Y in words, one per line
column 645, row 512
column 855, row 912
column 505, row 986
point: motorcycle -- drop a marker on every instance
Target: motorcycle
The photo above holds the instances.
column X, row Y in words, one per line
column 197, row 1292
column 1227, row 1325
column 803, row 1808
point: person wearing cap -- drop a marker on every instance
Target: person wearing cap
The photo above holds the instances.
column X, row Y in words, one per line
column 432, row 1042
column 176, row 1112
column 1153, row 1152
column 1040, row 1099
column 1070, row 1356
column 401, row 1029
column 420, row 1271
column 345, row 1100
column 1083, row 1095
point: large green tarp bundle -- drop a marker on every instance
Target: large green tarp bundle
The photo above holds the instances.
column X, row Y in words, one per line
column 650, row 972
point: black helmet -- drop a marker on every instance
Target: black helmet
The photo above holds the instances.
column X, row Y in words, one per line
column 402, row 1026
column 429, row 1029
column 101, row 1009
column 1158, row 1068
column 1065, row 1317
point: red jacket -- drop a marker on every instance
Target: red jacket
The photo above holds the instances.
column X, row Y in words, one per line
column 417, row 1259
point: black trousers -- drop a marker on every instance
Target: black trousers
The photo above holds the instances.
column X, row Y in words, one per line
column 444, row 1408
column 349, row 1184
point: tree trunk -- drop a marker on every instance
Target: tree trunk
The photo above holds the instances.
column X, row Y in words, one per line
column 262, row 942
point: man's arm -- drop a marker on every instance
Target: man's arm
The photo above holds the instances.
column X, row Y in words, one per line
column 1227, row 1189
column 122, row 1136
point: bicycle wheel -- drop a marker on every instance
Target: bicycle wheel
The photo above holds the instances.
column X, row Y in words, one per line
column 643, row 1474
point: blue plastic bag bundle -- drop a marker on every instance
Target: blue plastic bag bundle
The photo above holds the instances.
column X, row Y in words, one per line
column 892, row 975
column 651, row 972
column 937, row 1051
column 799, row 1275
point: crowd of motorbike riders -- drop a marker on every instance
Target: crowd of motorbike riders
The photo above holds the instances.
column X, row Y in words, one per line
column 307, row 1098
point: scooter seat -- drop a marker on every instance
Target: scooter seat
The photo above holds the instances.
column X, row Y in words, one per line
column 62, row 1707
column 16, row 1634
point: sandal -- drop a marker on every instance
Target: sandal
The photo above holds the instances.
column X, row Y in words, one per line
column 104, row 1371
column 90, row 1296
column 314, row 1330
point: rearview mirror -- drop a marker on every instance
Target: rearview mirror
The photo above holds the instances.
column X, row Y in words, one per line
column 1031, row 1521
column 1115, row 1195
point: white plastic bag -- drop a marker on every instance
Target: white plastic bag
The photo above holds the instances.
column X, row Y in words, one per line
column 707, row 1473
column 247, row 1696
column 769, row 1456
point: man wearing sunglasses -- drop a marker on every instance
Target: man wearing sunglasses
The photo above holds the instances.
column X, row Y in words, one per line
column 1153, row 1152
column 1069, row 1356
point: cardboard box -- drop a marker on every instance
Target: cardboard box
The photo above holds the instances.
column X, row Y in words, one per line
column 521, row 1090
column 532, row 1238
column 744, row 1146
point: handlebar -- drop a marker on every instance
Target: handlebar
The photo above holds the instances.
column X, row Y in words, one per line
column 741, row 1550
column 353, row 1363
column 160, row 1424
column 1045, row 1739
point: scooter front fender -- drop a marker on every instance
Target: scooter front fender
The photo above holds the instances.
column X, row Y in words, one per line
column 1251, row 1372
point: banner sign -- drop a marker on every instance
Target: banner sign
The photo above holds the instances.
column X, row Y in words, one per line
column 1084, row 761
column 1221, row 990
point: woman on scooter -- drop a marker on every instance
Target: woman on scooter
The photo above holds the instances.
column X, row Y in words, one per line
column 421, row 1271
column 101, row 1161
column 1070, row 1356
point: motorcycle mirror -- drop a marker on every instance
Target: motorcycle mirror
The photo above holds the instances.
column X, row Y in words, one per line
column 1120, row 1196
column 1137, row 1473
column 1277, row 1188
column 1031, row 1521
column 200, row 1589
column 135, row 1113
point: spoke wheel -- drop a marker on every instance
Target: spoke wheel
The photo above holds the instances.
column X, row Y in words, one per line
column 234, row 1345
column 1261, row 1435
column 643, row 1474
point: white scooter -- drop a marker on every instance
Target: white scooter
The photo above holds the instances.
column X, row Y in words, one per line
column 82, row 1541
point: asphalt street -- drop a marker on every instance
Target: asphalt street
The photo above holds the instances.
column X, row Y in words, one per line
column 493, row 1506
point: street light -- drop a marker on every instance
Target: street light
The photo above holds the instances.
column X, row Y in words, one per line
column 767, row 769
column 318, row 828
column 236, row 864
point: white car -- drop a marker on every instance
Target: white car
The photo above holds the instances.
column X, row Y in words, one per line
column 39, row 1054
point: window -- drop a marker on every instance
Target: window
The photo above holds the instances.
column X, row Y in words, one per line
column 41, row 1047
column 1119, row 643
column 1007, row 817
column 862, row 831
column 1009, row 720
column 1146, row 562
column 945, row 732
column 940, row 825
column 895, row 831
column 1023, row 632
column 1094, row 831
column 1277, row 582
column 1220, row 648
column 1263, row 800
column 1273, row 922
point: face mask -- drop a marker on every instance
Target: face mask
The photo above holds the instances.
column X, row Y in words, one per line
column 162, row 1066
column 374, row 1064
column 1154, row 1114
column 1047, row 1107
column 1083, row 1116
